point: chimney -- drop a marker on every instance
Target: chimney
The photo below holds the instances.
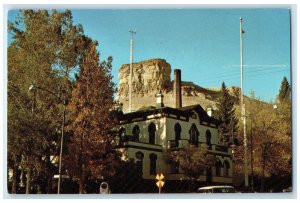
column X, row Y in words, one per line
column 209, row 111
column 159, row 100
column 177, row 88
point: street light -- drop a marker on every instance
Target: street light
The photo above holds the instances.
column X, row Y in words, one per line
column 63, row 101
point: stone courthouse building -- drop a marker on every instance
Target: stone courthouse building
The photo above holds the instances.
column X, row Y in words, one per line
column 154, row 128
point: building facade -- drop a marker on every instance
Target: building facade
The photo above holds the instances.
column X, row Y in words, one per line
column 147, row 134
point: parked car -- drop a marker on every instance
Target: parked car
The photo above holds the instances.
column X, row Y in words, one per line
column 216, row 189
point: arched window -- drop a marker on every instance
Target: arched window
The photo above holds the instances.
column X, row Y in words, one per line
column 208, row 139
column 194, row 134
column 139, row 156
column 226, row 168
column 151, row 130
column 177, row 129
column 135, row 133
column 153, row 158
column 218, row 166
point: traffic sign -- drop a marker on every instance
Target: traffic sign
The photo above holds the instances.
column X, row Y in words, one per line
column 160, row 176
column 160, row 183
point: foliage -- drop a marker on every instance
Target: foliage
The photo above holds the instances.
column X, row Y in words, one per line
column 46, row 46
column 193, row 160
column 226, row 114
column 128, row 178
column 90, row 149
column 269, row 138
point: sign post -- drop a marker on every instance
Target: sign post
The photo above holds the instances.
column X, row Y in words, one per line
column 104, row 188
column 160, row 183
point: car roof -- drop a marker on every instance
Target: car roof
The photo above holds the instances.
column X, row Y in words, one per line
column 215, row 186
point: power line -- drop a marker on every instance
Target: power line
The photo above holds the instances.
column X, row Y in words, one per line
column 259, row 69
column 236, row 76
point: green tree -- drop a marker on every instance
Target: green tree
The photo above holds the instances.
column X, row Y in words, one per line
column 46, row 47
column 192, row 160
column 90, row 150
column 128, row 178
column 269, row 139
column 226, row 114
column 284, row 91
column 272, row 147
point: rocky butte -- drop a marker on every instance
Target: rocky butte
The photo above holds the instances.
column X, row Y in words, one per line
column 153, row 76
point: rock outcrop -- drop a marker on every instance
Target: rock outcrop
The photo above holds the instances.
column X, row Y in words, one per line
column 148, row 77
column 152, row 76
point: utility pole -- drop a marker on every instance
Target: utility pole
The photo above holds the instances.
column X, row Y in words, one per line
column 130, row 73
column 243, row 111
column 232, row 148
column 251, row 153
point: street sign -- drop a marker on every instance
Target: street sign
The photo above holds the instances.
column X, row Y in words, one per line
column 160, row 183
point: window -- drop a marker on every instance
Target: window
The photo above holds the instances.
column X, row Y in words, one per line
column 218, row 166
column 139, row 156
column 194, row 134
column 122, row 134
column 208, row 139
column 174, row 167
column 226, row 168
column 135, row 133
column 177, row 130
column 151, row 130
column 153, row 158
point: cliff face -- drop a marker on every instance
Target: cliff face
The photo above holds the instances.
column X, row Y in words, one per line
column 148, row 77
column 152, row 76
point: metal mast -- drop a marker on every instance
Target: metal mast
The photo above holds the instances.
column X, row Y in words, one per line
column 243, row 111
column 130, row 73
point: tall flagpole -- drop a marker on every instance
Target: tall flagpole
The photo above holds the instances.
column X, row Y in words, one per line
column 243, row 111
column 130, row 73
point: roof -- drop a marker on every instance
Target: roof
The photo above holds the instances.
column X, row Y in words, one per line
column 202, row 113
column 186, row 111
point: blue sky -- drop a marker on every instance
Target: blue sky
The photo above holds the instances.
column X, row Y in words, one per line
column 203, row 43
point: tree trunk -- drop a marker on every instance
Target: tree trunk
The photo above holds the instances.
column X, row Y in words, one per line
column 81, row 186
column 49, row 183
column 15, row 174
column 82, row 168
column 262, row 182
column 28, row 180
column 81, row 181
column 49, row 175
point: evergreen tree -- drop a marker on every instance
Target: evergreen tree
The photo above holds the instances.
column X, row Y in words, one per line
column 90, row 152
column 226, row 114
column 285, row 91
